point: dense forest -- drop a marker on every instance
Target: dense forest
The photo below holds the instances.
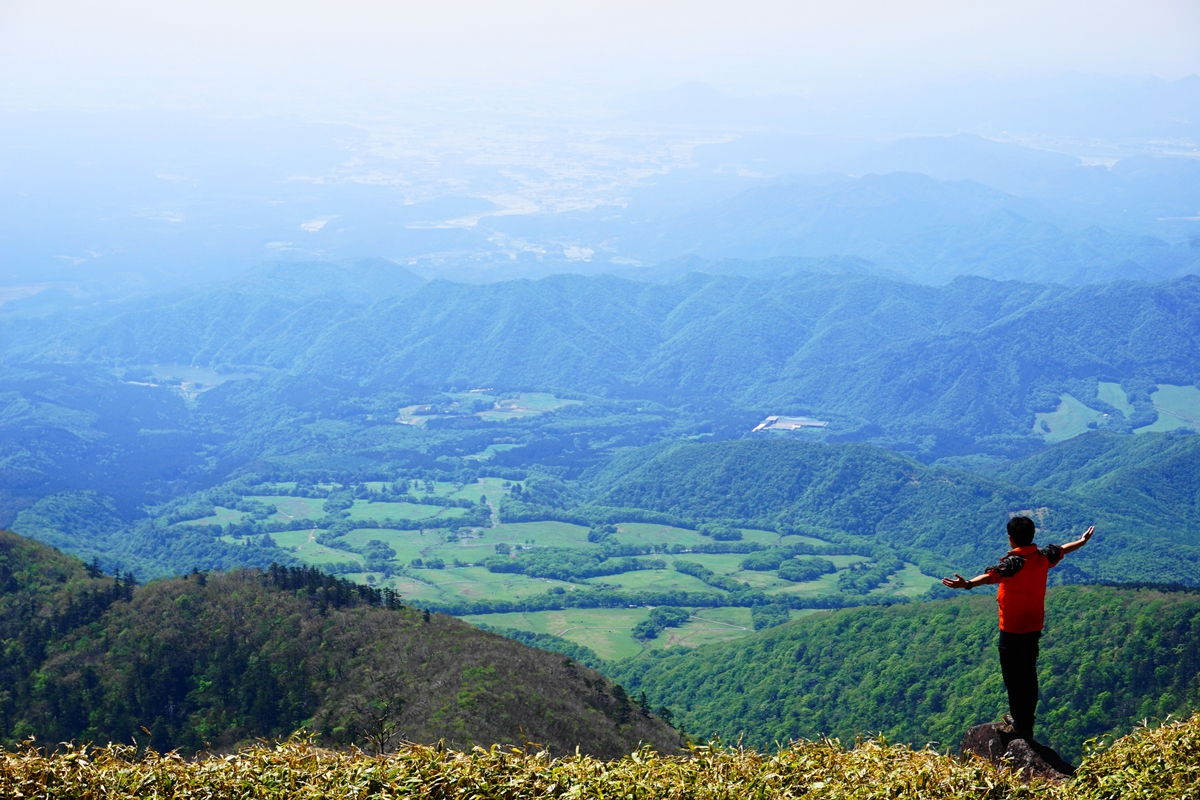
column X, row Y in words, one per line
column 922, row 673
column 210, row 661
column 947, row 519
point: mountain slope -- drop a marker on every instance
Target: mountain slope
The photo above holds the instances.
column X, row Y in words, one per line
column 927, row 230
column 972, row 359
column 882, row 496
column 208, row 661
column 1153, row 477
column 922, row 673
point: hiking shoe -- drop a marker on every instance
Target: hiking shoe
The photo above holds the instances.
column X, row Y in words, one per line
column 1011, row 730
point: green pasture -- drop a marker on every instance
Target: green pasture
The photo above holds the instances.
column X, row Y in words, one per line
column 468, row 550
column 604, row 630
column 707, row 626
column 763, row 581
column 654, row 580
column 723, row 563
column 305, row 548
column 1115, row 396
column 476, row 583
column 543, row 534
column 378, row 512
column 769, row 538
column 493, row 488
column 1178, row 407
column 491, row 450
column 526, row 404
column 908, row 582
column 407, row 544
column 289, row 508
column 222, row 516
column 826, row 584
column 1070, row 419
column 644, row 533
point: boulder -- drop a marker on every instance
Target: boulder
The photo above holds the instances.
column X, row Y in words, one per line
column 994, row 742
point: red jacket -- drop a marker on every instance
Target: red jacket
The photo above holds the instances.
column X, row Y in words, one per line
column 1022, row 578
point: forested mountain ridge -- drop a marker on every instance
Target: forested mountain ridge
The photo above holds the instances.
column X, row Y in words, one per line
column 972, row 359
column 212, row 660
column 927, row 229
column 956, row 517
column 1152, row 478
column 924, row 673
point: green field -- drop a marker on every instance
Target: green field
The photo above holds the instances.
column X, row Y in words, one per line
column 1115, row 396
column 1070, row 419
column 378, row 512
column 638, row 533
column 653, row 580
column 472, row 583
column 304, row 546
column 489, row 487
column 543, row 534
column 908, row 582
column 289, row 508
column 526, row 404
column 605, row 630
column 223, row 516
column 1178, row 407
column 608, row 631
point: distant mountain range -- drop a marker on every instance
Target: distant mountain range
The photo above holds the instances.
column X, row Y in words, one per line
column 937, row 371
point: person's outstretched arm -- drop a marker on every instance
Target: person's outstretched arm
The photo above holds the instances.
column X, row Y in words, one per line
column 1071, row 547
column 959, row 582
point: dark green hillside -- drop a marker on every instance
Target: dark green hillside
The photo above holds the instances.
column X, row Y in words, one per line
column 940, row 369
column 262, row 319
column 882, row 496
column 921, row 673
column 1155, row 477
column 209, row 661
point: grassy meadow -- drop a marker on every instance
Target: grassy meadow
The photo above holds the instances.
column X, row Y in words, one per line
column 434, row 562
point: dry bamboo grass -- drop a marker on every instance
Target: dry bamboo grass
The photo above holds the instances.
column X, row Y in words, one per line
column 1163, row 762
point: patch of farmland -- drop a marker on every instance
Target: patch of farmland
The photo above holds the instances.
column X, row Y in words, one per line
column 492, row 488
column 607, row 631
column 1070, row 419
column 1178, row 407
column 221, row 516
column 826, row 584
column 476, row 583
column 707, row 626
column 655, row 580
column 289, row 508
column 304, row 546
column 1115, row 396
column 541, row 534
column 407, row 544
column 526, row 404
column 379, row 512
column 908, row 582
column 644, row 533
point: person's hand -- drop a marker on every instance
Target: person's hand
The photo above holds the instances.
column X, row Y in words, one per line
column 957, row 582
column 1087, row 534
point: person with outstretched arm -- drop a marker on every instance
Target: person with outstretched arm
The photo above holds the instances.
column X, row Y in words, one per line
column 1022, row 595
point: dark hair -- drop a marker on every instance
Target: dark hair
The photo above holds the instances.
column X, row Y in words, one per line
column 1021, row 530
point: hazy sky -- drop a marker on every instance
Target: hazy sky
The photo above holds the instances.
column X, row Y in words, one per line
column 180, row 52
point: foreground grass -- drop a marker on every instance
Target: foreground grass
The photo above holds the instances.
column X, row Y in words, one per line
column 1162, row 762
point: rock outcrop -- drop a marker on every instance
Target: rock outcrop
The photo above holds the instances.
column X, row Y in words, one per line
column 994, row 741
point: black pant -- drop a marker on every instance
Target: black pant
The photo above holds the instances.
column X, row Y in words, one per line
column 1018, row 664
